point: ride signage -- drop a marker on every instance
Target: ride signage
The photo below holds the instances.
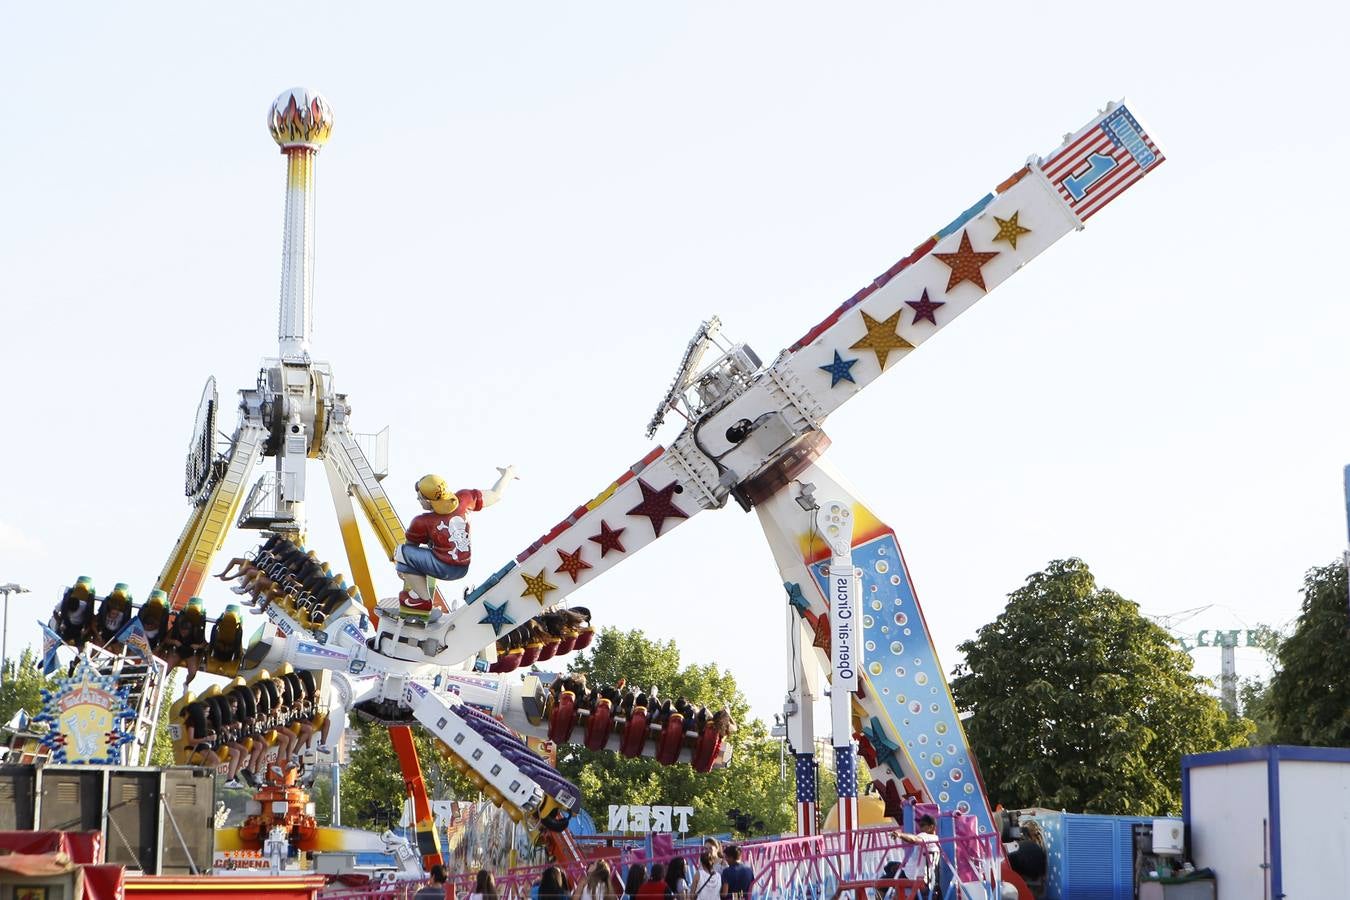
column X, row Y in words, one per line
column 844, row 643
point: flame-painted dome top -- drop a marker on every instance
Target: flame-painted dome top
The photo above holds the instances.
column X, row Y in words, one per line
column 300, row 117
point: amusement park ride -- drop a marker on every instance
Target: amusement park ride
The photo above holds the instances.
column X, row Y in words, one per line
column 753, row 434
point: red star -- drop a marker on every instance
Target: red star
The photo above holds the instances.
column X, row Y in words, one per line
column 924, row 308
column 821, row 626
column 965, row 264
column 658, row 505
column 608, row 538
column 572, row 563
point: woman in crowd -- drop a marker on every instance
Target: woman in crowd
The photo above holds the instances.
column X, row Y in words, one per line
column 707, row 882
column 677, row 879
column 596, row 886
column 484, row 887
column 637, row 877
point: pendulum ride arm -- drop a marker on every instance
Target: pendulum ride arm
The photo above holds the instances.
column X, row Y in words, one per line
column 909, row 731
column 764, row 427
column 204, row 534
column 657, row 493
column 428, row 841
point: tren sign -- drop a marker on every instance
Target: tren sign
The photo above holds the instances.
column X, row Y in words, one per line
column 645, row 819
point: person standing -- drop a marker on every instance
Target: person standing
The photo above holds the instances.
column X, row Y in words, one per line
column 707, row 882
column 596, row 886
column 632, row 884
column 929, row 854
column 484, row 886
column 655, row 885
column 435, row 889
column 737, row 877
column 677, row 879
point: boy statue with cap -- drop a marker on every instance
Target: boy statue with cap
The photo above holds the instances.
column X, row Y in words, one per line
column 438, row 540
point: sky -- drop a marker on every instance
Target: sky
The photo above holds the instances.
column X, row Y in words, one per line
column 526, row 209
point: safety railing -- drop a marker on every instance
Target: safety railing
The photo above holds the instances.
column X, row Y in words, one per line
column 795, row 868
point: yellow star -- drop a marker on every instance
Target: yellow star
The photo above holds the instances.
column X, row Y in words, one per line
column 882, row 337
column 1008, row 230
column 537, row 586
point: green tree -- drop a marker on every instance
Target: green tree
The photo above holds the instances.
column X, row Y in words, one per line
column 751, row 783
column 1078, row 702
column 23, row 685
column 372, row 780
column 1310, row 692
column 161, row 752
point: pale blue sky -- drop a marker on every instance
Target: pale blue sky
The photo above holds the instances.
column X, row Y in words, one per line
column 526, row 209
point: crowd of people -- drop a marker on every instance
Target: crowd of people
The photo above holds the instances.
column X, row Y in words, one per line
column 718, row 874
column 240, row 725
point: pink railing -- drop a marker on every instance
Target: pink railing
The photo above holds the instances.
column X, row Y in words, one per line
column 785, row 868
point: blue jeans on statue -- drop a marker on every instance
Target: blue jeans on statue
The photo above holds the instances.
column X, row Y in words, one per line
column 415, row 560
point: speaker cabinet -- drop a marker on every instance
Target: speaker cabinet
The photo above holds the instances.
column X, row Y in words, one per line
column 133, row 818
column 18, row 794
column 188, row 820
column 72, row 799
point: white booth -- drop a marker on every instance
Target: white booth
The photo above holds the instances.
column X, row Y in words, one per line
column 1272, row 822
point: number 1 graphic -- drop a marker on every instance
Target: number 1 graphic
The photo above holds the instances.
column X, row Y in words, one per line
column 1098, row 165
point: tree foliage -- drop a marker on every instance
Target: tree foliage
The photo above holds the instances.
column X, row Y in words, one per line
column 751, row 783
column 161, row 751
column 23, row 684
column 1078, row 702
column 372, row 780
column 1310, row 692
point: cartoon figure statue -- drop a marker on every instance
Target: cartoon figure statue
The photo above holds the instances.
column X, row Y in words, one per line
column 154, row 615
column 113, row 614
column 73, row 614
column 438, row 540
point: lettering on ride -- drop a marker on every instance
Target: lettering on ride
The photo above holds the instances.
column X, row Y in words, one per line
column 844, row 642
column 1231, row 638
column 1124, row 132
column 648, row 819
column 1098, row 165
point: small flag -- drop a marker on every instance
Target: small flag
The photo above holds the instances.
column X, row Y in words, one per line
column 50, row 642
column 133, row 638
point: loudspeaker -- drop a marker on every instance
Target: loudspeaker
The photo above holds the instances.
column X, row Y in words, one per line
column 18, row 793
column 188, row 820
column 133, row 818
column 72, row 799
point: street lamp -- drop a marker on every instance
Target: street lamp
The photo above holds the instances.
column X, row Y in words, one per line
column 7, row 589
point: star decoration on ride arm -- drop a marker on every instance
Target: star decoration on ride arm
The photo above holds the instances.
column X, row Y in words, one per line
column 496, row 617
column 821, row 632
column 796, row 599
column 965, row 263
column 609, row 539
column 1008, row 230
column 537, row 586
column 839, row 369
column 883, row 746
column 572, row 563
column 883, row 336
column 658, row 505
column 925, row 308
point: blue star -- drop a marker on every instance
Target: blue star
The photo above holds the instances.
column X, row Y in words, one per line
column 496, row 617
column 795, row 597
column 839, row 369
column 882, row 744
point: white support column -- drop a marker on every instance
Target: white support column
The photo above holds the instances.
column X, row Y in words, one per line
column 834, row 519
column 799, row 719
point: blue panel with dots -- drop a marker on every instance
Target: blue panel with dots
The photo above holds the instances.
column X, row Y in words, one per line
column 911, row 720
